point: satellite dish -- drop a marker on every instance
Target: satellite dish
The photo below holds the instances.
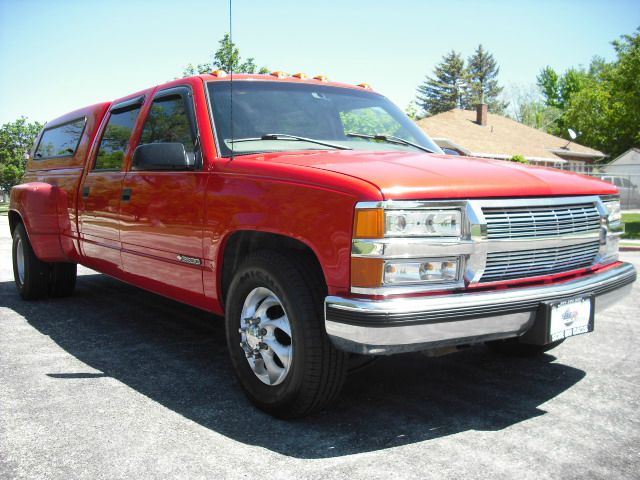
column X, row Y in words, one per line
column 572, row 134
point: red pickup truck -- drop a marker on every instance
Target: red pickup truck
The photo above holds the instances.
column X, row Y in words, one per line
column 320, row 221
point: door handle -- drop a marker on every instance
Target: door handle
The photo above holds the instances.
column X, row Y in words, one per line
column 85, row 192
column 126, row 194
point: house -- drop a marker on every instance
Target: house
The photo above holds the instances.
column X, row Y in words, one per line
column 627, row 164
column 624, row 173
column 488, row 135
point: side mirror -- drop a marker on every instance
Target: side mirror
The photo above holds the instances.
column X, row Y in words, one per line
column 161, row 156
column 450, row 151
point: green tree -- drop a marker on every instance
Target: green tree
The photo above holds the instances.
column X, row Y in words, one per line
column 558, row 91
column 606, row 109
column 548, row 82
column 412, row 110
column 447, row 89
column 601, row 102
column 527, row 106
column 16, row 140
column 226, row 58
column 482, row 74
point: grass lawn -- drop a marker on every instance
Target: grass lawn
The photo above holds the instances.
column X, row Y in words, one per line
column 4, row 208
column 632, row 225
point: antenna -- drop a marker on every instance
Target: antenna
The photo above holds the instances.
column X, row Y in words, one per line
column 231, row 74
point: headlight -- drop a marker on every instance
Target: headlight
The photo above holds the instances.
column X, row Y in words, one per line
column 423, row 223
column 420, row 271
column 393, row 242
column 610, row 237
column 613, row 208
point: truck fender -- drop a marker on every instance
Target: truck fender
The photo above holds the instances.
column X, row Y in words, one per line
column 38, row 205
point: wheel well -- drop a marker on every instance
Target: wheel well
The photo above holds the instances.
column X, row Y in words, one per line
column 240, row 244
column 14, row 220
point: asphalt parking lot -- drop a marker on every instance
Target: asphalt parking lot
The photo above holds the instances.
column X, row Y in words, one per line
column 115, row 382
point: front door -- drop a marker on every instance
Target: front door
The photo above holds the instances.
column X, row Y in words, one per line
column 162, row 211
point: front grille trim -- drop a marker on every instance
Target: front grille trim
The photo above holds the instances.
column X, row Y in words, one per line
column 521, row 222
column 503, row 266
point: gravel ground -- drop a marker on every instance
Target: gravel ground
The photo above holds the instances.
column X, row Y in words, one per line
column 115, row 382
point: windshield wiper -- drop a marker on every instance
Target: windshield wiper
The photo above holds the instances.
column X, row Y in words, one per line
column 390, row 139
column 285, row 136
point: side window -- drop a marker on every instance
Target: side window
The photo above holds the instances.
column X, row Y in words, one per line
column 60, row 141
column 116, row 139
column 168, row 121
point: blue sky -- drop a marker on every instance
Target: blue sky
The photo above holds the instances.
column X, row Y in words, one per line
column 58, row 55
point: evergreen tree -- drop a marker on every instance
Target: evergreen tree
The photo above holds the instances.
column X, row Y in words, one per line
column 482, row 73
column 448, row 88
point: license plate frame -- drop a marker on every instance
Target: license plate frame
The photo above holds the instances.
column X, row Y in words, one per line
column 569, row 317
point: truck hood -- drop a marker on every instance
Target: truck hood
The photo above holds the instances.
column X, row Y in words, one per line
column 407, row 175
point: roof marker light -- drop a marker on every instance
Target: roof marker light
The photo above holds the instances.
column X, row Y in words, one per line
column 366, row 86
column 280, row 74
column 322, row 78
column 301, row 76
column 219, row 73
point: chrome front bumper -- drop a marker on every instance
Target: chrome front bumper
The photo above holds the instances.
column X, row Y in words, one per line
column 419, row 323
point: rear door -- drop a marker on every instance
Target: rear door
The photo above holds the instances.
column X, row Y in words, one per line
column 99, row 199
column 162, row 212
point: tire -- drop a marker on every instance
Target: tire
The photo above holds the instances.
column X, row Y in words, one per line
column 284, row 301
column 29, row 272
column 514, row 348
column 63, row 279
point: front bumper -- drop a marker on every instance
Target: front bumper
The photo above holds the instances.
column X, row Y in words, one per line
column 419, row 323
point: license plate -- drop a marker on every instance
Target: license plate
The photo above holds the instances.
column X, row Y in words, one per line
column 570, row 317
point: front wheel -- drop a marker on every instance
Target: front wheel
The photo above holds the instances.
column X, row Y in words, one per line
column 279, row 349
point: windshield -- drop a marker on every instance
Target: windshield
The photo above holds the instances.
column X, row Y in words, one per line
column 265, row 113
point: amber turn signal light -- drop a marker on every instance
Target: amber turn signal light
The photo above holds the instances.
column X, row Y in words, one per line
column 219, row 73
column 366, row 272
column 301, row 76
column 279, row 74
column 369, row 223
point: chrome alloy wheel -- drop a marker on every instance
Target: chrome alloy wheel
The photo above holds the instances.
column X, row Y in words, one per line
column 265, row 336
column 20, row 259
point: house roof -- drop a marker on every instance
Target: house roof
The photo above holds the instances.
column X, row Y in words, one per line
column 502, row 137
column 626, row 164
column 630, row 157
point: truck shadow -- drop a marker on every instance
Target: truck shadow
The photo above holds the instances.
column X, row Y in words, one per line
column 176, row 355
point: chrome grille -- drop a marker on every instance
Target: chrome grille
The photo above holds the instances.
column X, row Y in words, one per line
column 544, row 261
column 543, row 221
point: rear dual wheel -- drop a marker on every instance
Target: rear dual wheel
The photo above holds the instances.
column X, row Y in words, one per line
column 275, row 334
column 34, row 278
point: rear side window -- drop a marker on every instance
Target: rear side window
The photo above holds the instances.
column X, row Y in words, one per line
column 116, row 139
column 168, row 121
column 60, row 141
